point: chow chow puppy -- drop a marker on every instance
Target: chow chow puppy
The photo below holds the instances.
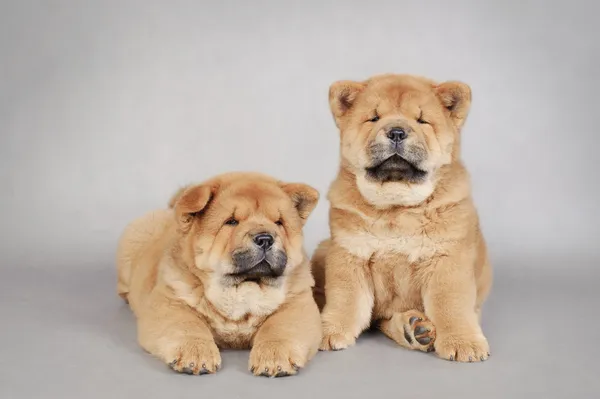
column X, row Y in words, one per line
column 406, row 252
column 224, row 267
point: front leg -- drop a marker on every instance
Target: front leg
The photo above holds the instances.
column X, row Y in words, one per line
column 450, row 302
column 349, row 299
column 288, row 339
column 176, row 334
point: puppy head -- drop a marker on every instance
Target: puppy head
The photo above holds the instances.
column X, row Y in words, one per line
column 397, row 131
column 243, row 227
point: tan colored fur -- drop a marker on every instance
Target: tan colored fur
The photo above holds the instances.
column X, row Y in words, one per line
column 172, row 268
column 396, row 247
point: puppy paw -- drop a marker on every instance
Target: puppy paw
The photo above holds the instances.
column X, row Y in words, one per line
column 195, row 357
column 276, row 359
column 462, row 348
column 335, row 340
column 419, row 331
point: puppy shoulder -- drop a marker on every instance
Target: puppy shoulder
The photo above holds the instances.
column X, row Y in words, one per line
column 179, row 282
column 301, row 279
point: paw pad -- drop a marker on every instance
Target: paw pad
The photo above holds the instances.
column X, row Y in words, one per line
column 420, row 333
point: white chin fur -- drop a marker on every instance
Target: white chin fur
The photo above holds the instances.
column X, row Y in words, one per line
column 384, row 195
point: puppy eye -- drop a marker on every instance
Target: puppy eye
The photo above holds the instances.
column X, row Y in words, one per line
column 279, row 222
column 375, row 118
column 421, row 120
column 231, row 222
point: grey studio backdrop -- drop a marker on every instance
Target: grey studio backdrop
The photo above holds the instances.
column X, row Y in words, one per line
column 106, row 107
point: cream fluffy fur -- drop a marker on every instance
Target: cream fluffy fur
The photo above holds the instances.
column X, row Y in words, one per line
column 173, row 266
column 408, row 256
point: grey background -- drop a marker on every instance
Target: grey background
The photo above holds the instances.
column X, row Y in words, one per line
column 106, row 107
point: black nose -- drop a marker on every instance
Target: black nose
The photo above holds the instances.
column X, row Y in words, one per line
column 396, row 134
column 264, row 240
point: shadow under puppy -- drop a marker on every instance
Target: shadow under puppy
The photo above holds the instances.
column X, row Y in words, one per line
column 224, row 267
column 406, row 250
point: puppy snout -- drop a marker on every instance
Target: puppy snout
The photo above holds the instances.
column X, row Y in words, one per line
column 264, row 240
column 396, row 134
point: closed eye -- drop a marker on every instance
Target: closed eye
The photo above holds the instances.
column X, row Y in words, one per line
column 421, row 120
column 231, row 222
column 375, row 118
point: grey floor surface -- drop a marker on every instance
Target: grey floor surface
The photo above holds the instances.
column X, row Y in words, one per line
column 65, row 334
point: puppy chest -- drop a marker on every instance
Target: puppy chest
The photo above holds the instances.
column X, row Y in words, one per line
column 235, row 313
column 237, row 302
column 368, row 243
column 235, row 334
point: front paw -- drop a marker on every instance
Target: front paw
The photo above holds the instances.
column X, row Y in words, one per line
column 276, row 359
column 195, row 356
column 335, row 339
column 462, row 348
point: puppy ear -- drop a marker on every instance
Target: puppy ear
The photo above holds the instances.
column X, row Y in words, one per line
column 176, row 196
column 188, row 201
column 456, row 97
column 304, row 198
column 342, row 95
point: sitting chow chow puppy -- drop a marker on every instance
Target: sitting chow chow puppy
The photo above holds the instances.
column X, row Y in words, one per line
column 224, row 267
column 406, row 252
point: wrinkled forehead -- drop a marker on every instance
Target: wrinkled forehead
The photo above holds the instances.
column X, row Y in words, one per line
column 398, row 93
column 252, row 199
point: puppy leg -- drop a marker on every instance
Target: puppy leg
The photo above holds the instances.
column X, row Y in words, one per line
column 177, row 335
column 411, row 329
column 349, row 299
column 318, row 271
column 288, row 339
column 450, row 302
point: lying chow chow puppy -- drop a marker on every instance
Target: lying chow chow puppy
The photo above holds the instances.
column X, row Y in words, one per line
column 406, row 250
column 224, row 268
